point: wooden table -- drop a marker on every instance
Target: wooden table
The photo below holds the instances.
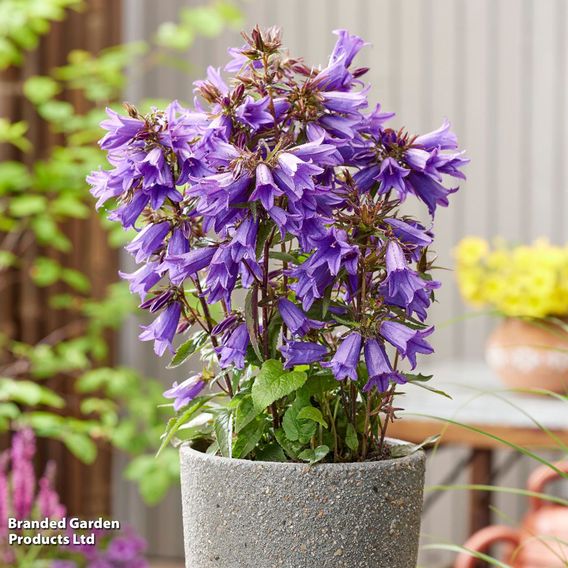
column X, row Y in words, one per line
column 480, row 402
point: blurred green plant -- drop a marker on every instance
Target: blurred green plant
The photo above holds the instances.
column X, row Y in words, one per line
column 37, row 197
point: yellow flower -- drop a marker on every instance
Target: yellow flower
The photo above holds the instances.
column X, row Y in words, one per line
column 471, row 250
column 516, row 281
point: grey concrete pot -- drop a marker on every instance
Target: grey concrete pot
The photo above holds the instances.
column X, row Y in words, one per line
column 248, row 514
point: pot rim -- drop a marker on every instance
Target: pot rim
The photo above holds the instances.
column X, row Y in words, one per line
column 416, row 456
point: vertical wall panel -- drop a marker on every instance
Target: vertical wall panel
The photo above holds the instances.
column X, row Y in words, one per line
column 542, row 117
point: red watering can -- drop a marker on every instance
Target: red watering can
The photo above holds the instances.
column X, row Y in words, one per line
column 542, row 539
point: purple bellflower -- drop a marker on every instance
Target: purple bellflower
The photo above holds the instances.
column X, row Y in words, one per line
column 302, row 353
column 343, row 365
column 407, row 341
column 380, row 370
column 184, row 392
column 163, row 329
column 234, row 348
column 295, row 319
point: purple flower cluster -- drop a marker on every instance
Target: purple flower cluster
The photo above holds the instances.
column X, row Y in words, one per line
column 280, row 181
column 123, row 550
column 20, row 492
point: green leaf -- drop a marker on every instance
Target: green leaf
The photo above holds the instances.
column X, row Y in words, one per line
column 292, row 449
column 56, row 112
column 40, row 89
column 9, row 410
column 7, row 259
column 27, row 205
column 70, row 207
column 76, row 280
column 205, row 20
column 175, row 424
column 249, row 437
column 29, row 393
column 174, row 36
column 283, row 256
column 185, row 350
column 271, row 453
column 320, row 383
column 246, row 412
column 251, row 321
column 417, row 377
column 315, row 455
column 298, row 430
column 45, row 271
column 14, row 133
column 312, row 413
column 80, row 445
column 351, row 438
column 223, row 428
column 230, row 13
column 402, row 450
column 273, row 383
column 419, row 382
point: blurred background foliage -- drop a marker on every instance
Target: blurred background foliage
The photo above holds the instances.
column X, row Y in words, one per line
column 37, row 198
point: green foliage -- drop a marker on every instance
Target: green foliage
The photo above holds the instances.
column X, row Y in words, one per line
column 202, row 20
column 23, row 22
column 37, row 199
column 273, row 383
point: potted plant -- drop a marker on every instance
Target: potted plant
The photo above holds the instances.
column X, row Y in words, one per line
column 528, row 286
column 281, row 184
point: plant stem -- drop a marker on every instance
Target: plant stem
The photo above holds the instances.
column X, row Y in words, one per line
column 265, row 318
column 284, row 285
column 331, row 418
column 366, row 427
column 209, row 319
column 266, row 259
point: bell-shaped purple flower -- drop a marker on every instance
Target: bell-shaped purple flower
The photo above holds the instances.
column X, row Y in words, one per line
column 431, row 192
column 266, row 189
column 143, row 279
column 226, row 325
column 163, row 329
column 121, row 129
column 346, row 47
column 311, row 285
column 155, row 170
column 379, row 367
column 148, row 240
column 442, row 138
column 408, row 342
column 186, row 391
column 401, row 283
column 295, row 319
column 302, row 353
column 335, row 252
column 410, row 233
column 254, row 114
column 344, row 363
column 184, row 265
column 391, row 175
column 234, row 349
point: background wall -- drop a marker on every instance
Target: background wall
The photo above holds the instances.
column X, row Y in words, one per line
column 497, row 69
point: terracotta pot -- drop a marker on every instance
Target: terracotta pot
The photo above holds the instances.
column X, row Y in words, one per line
column 528, row 354
column 541, row 542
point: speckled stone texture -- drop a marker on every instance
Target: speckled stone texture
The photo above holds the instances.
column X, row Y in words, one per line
column 247, row 514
